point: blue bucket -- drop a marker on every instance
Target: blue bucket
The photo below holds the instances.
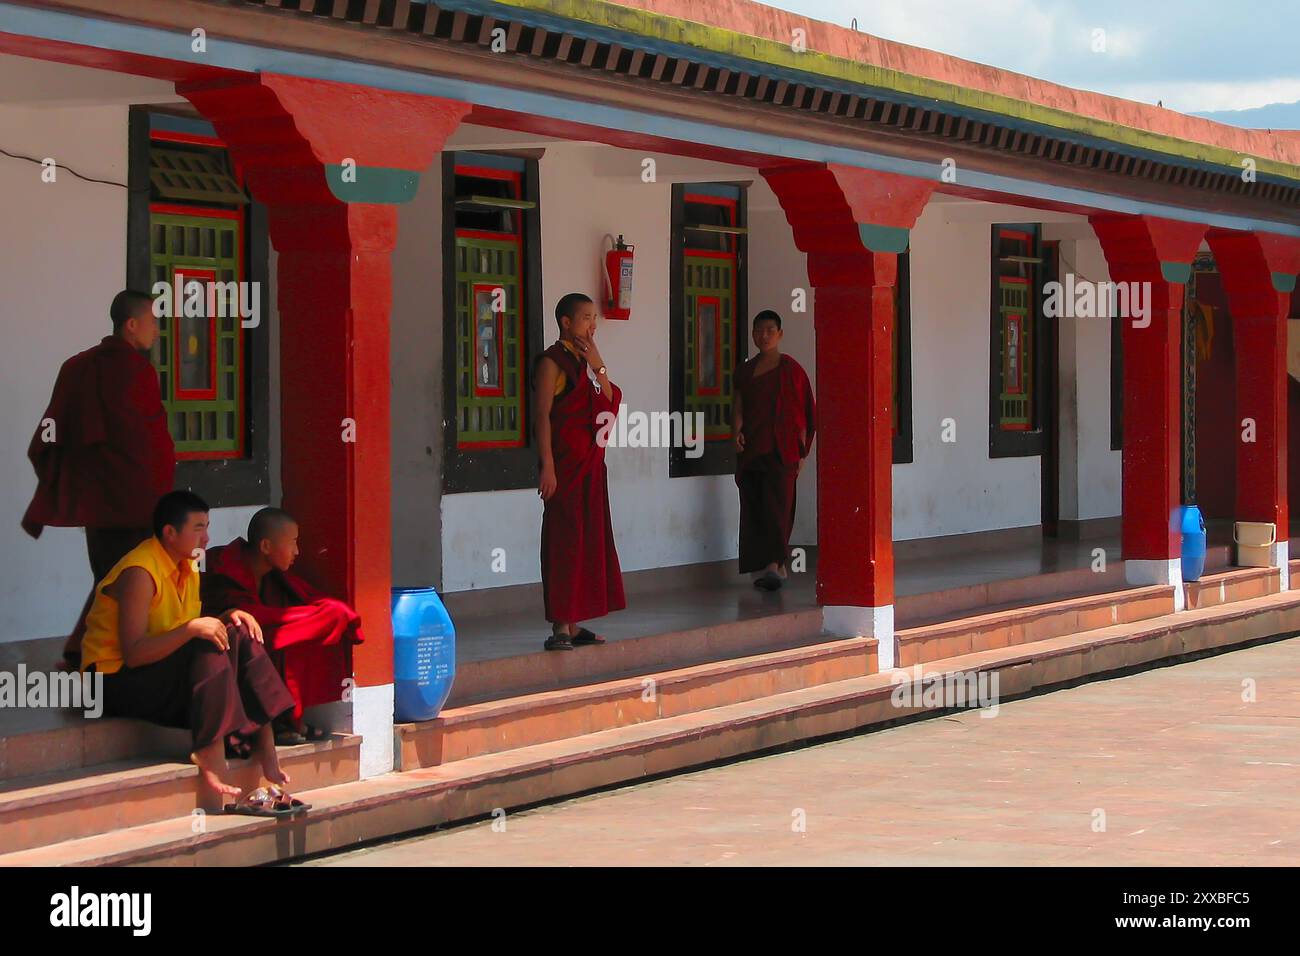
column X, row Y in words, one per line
column 424, row 654
column 1192, row 525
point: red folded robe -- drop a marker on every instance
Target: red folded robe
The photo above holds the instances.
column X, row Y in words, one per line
column 309, row 634
column 112, row 457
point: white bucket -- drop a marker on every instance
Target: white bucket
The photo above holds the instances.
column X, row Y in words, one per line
column 1254, row 540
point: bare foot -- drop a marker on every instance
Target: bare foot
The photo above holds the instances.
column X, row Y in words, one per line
column 208, row 774
column 270, row 760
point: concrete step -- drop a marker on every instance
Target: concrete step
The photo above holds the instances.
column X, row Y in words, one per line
column 463, row 732
column 1235, row 584
column 71, row 804
column 1008, row 627
column 351, row 813
column 54, row 741
column 520, row 674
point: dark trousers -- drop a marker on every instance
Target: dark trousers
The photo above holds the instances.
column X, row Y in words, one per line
column 105, row 547
column 767, row 500
column 199, row 687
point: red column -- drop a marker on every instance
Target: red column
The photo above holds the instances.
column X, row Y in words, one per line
column 852, row 223
column 1156, row 253
column 297, row 142
column 1258, row 272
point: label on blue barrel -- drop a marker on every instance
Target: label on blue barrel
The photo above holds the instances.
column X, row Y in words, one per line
column 425, row 658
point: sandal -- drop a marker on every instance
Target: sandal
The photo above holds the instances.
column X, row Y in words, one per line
column 585, row 638
column 237, row 748
column 289, row 738
column 769, row 581
column 315, row 735
column 559, row 642
column 266, row 802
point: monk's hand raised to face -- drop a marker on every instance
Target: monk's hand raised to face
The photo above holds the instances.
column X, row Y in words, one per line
column 246, row 622
column 546, row 483
column 590, row 352
column 211, row 629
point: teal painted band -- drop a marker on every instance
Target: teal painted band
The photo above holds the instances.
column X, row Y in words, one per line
column 883, row 238
column 373, row 184
column 1283, row 282
column 1178, row 272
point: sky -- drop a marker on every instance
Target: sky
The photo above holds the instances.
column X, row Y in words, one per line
column 1195, row 55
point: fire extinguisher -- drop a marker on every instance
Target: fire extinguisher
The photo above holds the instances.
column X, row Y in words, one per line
column 618, row 281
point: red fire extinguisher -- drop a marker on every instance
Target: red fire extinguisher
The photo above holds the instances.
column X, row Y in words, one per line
column 618, row 281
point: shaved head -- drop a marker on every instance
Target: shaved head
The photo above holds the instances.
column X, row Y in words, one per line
column 267, row 523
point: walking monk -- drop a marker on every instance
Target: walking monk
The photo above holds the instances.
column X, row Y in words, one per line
column 581, row 578
column 774, row 419
column 102, row 453
column 162, row 661
column 308, row 634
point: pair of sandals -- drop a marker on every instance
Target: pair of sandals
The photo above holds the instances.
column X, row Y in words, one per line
column 292, row 736
column 268, row 801
column 565, row 642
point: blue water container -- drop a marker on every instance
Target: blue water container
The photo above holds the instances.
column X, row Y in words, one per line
column 424, row 654
column 1193, row 528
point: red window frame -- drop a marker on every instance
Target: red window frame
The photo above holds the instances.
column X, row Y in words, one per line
column 498, row 332
column 206, row 277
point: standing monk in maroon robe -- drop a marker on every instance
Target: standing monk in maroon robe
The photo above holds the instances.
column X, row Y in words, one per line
column 102, row 453
column 774, row 419
column 309, row 635
column 581, row 578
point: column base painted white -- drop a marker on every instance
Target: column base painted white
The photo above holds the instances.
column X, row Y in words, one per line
column 1157, row 571
column 877, row 622
column 1282, row 561
column 372, row 719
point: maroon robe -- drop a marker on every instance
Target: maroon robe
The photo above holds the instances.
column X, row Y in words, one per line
column 308, row 634
column 112, row 457
column 581, row 578
column 780, row 422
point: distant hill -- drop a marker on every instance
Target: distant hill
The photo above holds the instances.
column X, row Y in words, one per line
column 1273, row 116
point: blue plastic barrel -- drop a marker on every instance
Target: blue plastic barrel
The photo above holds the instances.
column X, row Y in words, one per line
column 424, row 654
column 1193, row 528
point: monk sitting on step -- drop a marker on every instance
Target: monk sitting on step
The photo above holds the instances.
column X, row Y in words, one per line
column 309, row 634
column 162, row 661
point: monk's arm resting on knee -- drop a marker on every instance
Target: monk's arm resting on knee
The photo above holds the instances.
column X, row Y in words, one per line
column 543, row 397
column 242, row 619
column 133, row 591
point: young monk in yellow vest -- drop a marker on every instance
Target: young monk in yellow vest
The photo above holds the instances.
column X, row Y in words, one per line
column 165, row 663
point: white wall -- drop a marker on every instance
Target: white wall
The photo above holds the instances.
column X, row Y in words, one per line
column 586, row 192
column 62, row 259
column 954, row 487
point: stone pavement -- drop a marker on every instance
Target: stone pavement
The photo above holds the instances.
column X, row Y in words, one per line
column 1167, row 767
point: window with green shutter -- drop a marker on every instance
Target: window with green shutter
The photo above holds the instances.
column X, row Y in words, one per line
column 1015, row 366
column 707, row 324
column 491, row 327
column 197, row 236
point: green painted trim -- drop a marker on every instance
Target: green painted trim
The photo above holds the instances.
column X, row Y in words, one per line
column 1178, row 272
column 374, row 184
column 883, row 238
column 1283, row 282
column 652, row 25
